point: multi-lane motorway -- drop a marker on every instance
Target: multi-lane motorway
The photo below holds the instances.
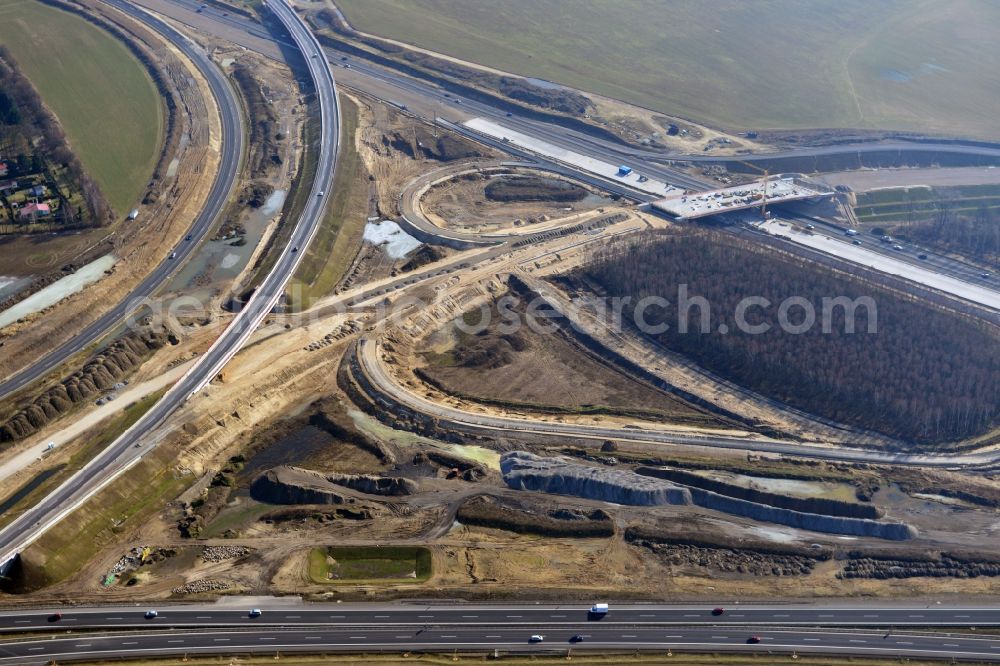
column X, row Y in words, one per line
column 520, row 615
column 874, row 630
column 129, row 448
column 232, row 145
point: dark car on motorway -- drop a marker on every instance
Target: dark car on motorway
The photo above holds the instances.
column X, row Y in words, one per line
column 753, row 639
column 55, row 617
column 576, row 638
column 718, row 611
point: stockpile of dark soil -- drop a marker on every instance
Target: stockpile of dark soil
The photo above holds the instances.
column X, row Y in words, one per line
column 421, row 143
column 101, row 373
column 255, row 194
column 489, row 512
column 730, row 560
column 947, row 566
column 533, row 188
column 427, row 254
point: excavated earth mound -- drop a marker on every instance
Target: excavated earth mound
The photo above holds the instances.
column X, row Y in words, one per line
column 525, row 471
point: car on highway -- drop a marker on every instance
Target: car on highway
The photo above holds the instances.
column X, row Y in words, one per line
column 536, row 638
column 150, row 614
column 255, row 612
column 321, row 193
column 922, row 256
column 897, row 246
column 173, row 255
column 295, row 249
column 188, row 237
column 510, row 115
column 984, row 275
column 576, row 638
column 753, row 640
column 855, row 242
column 718, row 611
column 810, row 227
column 55, row 617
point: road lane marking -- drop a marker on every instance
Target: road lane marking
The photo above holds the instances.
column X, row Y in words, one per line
column 903, row 643
column 266, row 638
column 647, row 615
column 855, row 640
column 36, row 648
column 692, row 615
column 203, row 617
column 354, row 638
column 112, row 618
column 827, row 615
column 720, row 638
column 443, row 636
column 628, row 635
column 296, row 617
column 466, row 616
column 493, row 637
column 377, row 617
column 558, row 616
column 513, row 616
column 82, row 645
column 220, row 640
column 403, row 636
column 781, row 615
column 176, row 640
column 425, row 616
column 21, row 621
column 863, row 616
column 950, row 644
column 916, row 616
column 812, row 640
column 736, row 615
column 312, row 638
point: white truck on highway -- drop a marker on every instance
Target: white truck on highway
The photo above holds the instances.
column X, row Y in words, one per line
column 599, row 609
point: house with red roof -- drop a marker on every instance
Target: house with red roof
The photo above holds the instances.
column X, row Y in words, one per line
column 34, row 210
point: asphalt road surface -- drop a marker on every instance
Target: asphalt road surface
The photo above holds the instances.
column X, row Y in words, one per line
column 367, row 356
column 232, row 153
column 388, row 627
column 525, row 616
column 129, row 448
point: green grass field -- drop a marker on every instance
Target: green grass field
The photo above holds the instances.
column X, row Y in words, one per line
column 103, row 96
column 917, row 65
column 339, row 237
column 901, row 204
column 367, row 564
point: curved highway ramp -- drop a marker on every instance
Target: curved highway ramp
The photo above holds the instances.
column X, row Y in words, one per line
column 128, row 449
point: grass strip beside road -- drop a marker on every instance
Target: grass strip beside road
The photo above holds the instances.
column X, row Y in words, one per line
column 33, row 491
column 64, row 549
column 339, row 235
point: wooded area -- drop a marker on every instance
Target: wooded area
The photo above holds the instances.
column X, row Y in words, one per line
column 924, row 375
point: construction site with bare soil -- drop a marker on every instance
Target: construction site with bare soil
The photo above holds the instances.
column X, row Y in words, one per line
column 310, row 471
column 494, row 369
